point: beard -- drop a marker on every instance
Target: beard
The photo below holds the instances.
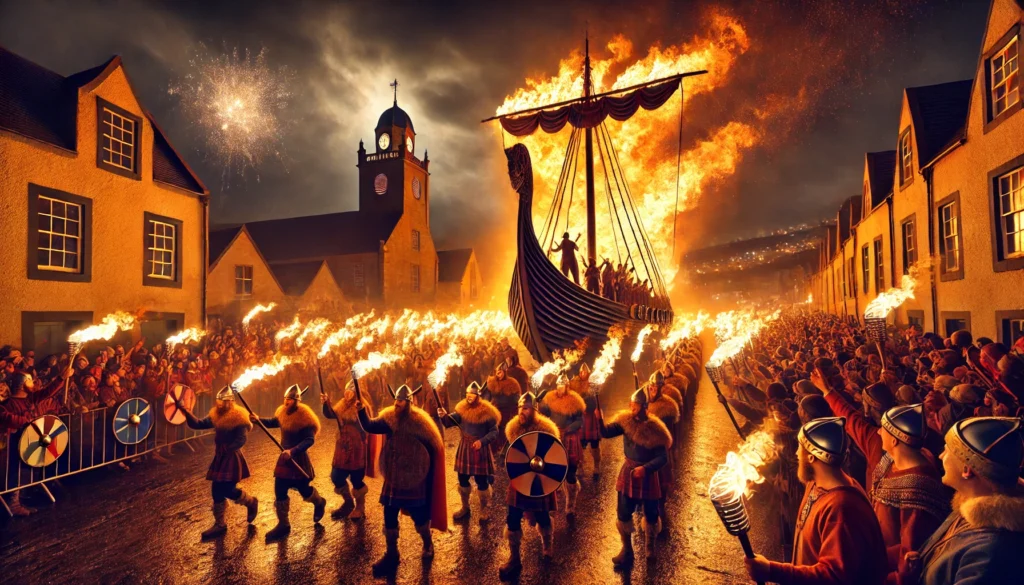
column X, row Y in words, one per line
column 402, row 410
column 804, row 471
column 223, row 408
column 292, row 408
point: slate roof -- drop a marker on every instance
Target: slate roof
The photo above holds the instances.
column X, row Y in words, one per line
column 940, row 116
column 881, row 176
column 451, row 264
column 220, row 240
column 295, row 278
column 394, row 116
column 40, row 104
column 315, row 237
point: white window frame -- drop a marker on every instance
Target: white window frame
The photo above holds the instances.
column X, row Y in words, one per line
column 51, row 234
column 906, row 158
column 1010, row 196
column 949, row 223
column 120, row 132
column 1005, row 78
column 242, row 280
column 157, row 239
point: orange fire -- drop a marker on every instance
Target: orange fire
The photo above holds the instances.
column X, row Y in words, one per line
column 640, row 338
column 256, row 311
column 733, row 479
column 646, row 143
column 374, row 361
column 111, row 324
column 260, row 372
column 449, row 360
column 190, row 335
column 880, row 306
column 561, row 360
column 604, row 365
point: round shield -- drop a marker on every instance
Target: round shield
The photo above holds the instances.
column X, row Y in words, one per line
column 536, row 463
column 405, row 461
column 186, row 396
column 43, row 441
column 133, row 420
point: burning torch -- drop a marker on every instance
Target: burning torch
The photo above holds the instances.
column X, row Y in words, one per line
column 633, row 359
column 111, row 324
column 605, row 363
column 450, row 359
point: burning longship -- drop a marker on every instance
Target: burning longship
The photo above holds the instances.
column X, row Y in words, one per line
column 549, row 311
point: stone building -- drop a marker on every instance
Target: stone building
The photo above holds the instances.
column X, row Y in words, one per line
column 98, row 212
column 458, row 277
column 957, row 198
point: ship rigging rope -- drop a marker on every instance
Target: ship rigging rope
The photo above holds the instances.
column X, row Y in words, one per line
column 679, row 162
column 551, row 223
column 608, row 189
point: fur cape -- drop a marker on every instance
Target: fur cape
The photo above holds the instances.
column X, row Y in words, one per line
column 568, row 404
column 483, row 411
column 673, row 392
column 417, row 423
column 664, row 407
column 1003, row 512
column 515, row 428
column 232, row 419
column 650, row 433
column 298, row 420
column 346, row 411
column 506, row 387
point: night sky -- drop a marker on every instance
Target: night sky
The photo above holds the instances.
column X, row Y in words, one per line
column 836, row 67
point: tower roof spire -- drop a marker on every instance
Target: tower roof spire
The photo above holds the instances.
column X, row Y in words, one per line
column 394, row 84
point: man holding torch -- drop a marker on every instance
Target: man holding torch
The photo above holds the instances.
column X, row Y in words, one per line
column 355, row 454
column 566, row 408
column 503, row 392
column 478, row 421
column 838, row 539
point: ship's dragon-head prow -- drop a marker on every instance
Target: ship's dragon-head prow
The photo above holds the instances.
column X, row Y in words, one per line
column 520, row 169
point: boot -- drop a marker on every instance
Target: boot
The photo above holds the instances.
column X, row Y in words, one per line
column 485, row 499
column 596, row 451
column 319, row 505
column 428, row 541
column 625, row 556
column 463, row 512
column 651, row 538
column 17, row 509
column 662, row 520
column 389, row 562
column 283, row 526
column 515, row 563
column 219, row 527
column 252, row 506
column 545, row 540
column 360, row 510
column 571, row 491
column 346, row 502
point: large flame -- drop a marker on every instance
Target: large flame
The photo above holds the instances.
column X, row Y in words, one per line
column 880, row 306
column 449, row 360
column 111, row 324
column 256, row 311
column 290, row 331
column 312, row 330
column 374, row 361
column 646, row 143
column 604, row 365
column 190, row 335
column 733, row 330
column 640, row 338
column 561, row 360
column 685, row 327
column 733, row 479
column 260, row 372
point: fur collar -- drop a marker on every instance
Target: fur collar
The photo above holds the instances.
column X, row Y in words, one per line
column 482, row 412
column 651, row 433
column 664, row 408
column 417, row 423
column 673, row 393
column 515, row 428
column 568, row 404
column 1004, row 512
column 506, row 387
column 300, row 419
column 232, row 419
column 346, row 411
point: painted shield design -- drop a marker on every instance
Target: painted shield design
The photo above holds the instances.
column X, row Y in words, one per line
column 186, row 396
column 133, row 420
column 43, row 441
column 536, row 463
column 405, row 461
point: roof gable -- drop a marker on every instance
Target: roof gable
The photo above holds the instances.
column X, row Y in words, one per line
column 219, row 242
column 881, row 169
column 168, row 166
column 939, row 115
column 316, row 237
column 296, row 278
column 452, row 264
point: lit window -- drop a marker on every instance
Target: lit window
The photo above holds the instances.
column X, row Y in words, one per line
column 906, row 158
column 415, row 239
column 243, row 281
column 865, row 263
column 59, row 246
column 160, row 248
column 949, row 220
column 117, row 133
column 415, row 278
column 358, row 280
column 909, row 246
column 879, row 267
column 1005, row 85
column 1011, row 213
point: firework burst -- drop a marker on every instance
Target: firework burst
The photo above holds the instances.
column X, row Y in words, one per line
column 236, row 100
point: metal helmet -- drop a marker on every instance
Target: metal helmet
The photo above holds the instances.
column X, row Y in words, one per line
column 225, row 393
column 991, row 446
column 561, row 380
column 906, row 423
column 501, row 367
column 825, row 439
column 473, row 389
column 403, row 392
column 639, row 397
column 657, row 378
column 527, row 400
column 294, row 392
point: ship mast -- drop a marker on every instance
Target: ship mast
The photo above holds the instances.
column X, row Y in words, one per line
column 588, row 90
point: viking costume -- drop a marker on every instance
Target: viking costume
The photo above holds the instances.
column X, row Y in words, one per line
column 565, row 408
column 16, row 413
column 503, row 392
column 981, row 541
column 663, row 408
column 355, row 454
column 590, row 436
column 519, row 504
column 838, row 540
column 478, row 423
column 298, row 432
column 231, row 426
column 645, row 441
column 412, row 462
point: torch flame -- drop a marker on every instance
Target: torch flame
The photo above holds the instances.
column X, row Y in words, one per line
column 685, row 327
column 289, row 331
column 450, row 359
column 313, row 329
column 881, row 305
column 190, row 335
column 605, row 362
column 374, row 361
column 647, row 330
column 256, row 311
column 561, row 360
column 111, row 324
column 260, row 372
column 733, row 479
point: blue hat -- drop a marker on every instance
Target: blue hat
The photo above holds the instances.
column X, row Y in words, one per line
column 825, row 439
column 906, row 423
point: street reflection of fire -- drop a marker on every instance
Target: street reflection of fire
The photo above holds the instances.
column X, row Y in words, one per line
column 740, row 471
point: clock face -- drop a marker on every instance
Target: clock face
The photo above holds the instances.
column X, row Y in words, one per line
column 384, row 141
column 408, row 143
column 416, row 190
column 380, row 183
